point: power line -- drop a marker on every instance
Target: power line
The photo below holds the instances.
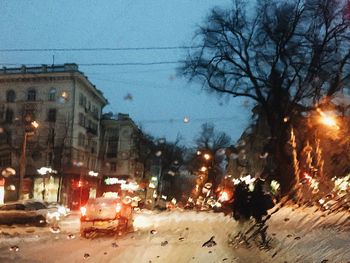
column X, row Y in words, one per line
column 96, row 49
column 107, row 64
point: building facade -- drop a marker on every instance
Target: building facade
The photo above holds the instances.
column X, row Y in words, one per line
column 66, row 108
column 124, row 156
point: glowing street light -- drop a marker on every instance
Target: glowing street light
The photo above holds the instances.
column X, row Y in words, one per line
column 207, row 156
column 203, row 169
column 328, row 119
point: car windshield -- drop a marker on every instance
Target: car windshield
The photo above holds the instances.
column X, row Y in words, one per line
column 165, row 131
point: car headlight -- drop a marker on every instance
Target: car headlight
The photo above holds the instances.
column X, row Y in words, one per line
column 53, row 215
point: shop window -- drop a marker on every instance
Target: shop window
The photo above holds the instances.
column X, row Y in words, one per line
column 51, row 115
column 52, row 94
column 31, row 95
column 10, row 96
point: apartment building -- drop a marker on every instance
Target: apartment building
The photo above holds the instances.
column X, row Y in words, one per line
column 58, row 158
column 124, row 156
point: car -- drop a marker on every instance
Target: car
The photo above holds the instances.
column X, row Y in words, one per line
column 58, row 210
column 25, row 212
column 109, row 215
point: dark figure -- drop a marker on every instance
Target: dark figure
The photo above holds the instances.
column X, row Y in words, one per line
column 260, row 203
column 241, row 202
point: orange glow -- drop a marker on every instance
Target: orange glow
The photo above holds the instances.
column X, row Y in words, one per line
column 118, row 208
column 327, row 119
column 203, row 169
column 207, row 156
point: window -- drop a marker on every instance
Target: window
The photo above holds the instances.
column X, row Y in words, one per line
column 113, row 167
column 81, row 139
column 93, row 146
column 81, row 119
column 5, row 160
column 51, row 136
column 31, row 95
column 9, row 116
column 10, row 96
column 52, row 94
column 112, row 147
column 82, row 100
column 51, row 115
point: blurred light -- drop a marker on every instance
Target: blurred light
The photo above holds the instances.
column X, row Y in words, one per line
column 199, row 152
column 35, row 124
column 207, row 156
column 11, row 187
column 203, row 169
column 83, row 210
column 328, row 119
column 92, row 173
column 118, row 208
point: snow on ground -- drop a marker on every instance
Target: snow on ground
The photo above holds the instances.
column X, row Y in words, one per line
column 298, row 235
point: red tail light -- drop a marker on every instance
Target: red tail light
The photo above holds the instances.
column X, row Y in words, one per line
column 118, row 208
column 83, row 210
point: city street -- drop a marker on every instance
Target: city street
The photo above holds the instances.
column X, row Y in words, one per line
column 298, row 235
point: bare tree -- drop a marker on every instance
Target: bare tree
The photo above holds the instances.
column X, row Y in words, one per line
column 284, row 55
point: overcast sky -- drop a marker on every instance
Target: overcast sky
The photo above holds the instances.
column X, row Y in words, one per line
column 154, row 96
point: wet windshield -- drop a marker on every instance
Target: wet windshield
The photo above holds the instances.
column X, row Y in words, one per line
column 175, row 131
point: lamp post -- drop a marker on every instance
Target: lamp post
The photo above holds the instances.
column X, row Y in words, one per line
column 23, row 158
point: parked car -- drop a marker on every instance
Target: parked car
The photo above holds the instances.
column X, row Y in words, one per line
column 103, row 214
column 25, row 212
column 58, row 210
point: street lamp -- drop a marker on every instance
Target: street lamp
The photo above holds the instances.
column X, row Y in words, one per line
column 328, row 120
column 23, row 158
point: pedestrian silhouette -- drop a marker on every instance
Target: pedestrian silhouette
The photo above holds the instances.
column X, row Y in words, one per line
column 241, row 202
column 260, row 202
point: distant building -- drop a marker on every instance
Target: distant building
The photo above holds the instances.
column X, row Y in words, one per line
column 68, row 109
column 124, row 154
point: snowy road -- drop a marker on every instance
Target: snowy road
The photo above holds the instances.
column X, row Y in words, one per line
column 178, row 236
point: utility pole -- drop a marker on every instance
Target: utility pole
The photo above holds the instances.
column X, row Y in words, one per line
column 22, row 166
column 23, row 158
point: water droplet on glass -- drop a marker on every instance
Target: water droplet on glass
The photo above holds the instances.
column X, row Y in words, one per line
column 70, row 236
column 158, row 153
column 209, row 243
column 86, row 255
column 14, row 248
column 181, row 238
column 186, row 119
column 128, row 96
column 164, row 243
column 55, row 229
column 114, row 244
